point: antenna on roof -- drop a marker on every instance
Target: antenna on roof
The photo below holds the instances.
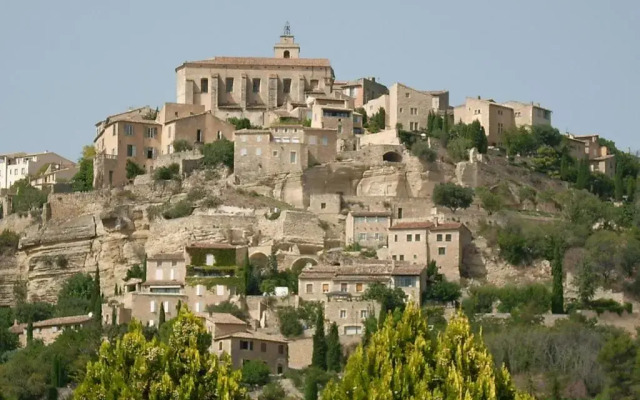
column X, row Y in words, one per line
column 287, row 29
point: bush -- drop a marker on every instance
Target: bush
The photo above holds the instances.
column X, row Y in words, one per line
column 211, row 202
column 602, row 305
column 513, row 246
column 183, row 208
column 534, row 297
column 255, row 372
column 452, row 196
column 290, row 325
column 458, row 148
column 273, row 391
column 8, row 242
column 241, row 123
column 133, row 169
column 422, row 150
column 181, row 145
column 490, row 201
column 218, row 152
column 27, row 197
column 169, row 172
column 196, row 193
column 228, row 308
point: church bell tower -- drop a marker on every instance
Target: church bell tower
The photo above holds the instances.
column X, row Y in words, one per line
column 286, row 48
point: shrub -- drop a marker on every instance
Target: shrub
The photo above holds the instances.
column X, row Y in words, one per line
column 154, row 212
column 61, row 261
column 133, row 169
column 181, row 145
column 241, row 123
column 255, row 372
column 457, row 149
column 513, row 246
column 290, row 325
column 183, row 208
column 218, row 152
column 602, row 305
column 273, row 391
column 196, row 193
column 227, row 308
column 8, row 242
column 491, row 202
column 211, row 202
column 422, row 150
column 452, row 196
column 169, row 172
column 27, row 197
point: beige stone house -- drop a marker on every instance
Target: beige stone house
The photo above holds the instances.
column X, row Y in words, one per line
column 367, row 228
column 53, row 175
column 281, row 149
column 17, row 166
column 529, row 114
column 349, row 313
column 419, row 242
column 322, row 282
column 49, row 330
column 576, row 147
column 599, row 158
column 251, row 87
column 495, row 118
column 246, row 345
column 364, row 90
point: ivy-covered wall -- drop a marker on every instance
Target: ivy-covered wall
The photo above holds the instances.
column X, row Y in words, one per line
column 223, row 257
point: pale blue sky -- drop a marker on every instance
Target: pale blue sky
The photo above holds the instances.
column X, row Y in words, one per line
column 66, row 64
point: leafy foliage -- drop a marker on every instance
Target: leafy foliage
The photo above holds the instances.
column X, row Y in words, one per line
column 422, row 150
column 473, row 135
column 133, row 169
column 26, row 197
column 452, row 196
column 255, row 372
column 401, row 362
column 82, row 181
column 75, row 296
column 169, row 172
column 8, row 242
column 377, row 121
column 181, row 145
column 218, row 152
column 438, row 288
column 290, row 325
column 241, row 123
column 229, row 308
column 334, row 349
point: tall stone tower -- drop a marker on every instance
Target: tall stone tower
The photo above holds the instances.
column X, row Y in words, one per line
column 286, row 48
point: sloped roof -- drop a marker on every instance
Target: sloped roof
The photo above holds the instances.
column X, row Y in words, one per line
column 167, row 257
column 72, row 320
column 446, row 227
column 258, row 61
column 412, row 225
column 224, row 318
column 254, row 335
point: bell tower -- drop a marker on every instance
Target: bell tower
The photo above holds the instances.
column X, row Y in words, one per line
column 286, row 48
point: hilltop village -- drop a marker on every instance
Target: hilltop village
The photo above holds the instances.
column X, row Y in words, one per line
column 270, row 189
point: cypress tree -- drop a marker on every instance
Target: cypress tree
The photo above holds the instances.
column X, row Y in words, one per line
column 162, row 317
column 445, row 123
column 618, row 183
column 144, row 269
column 29, row 332
column 564, row 168
column 311, row 386
column 319, row 358
column 430, row 122
column 96, row 298
column 114, row 317
column 178, row 306
column 582, row 179
column 334, row 349
column 115, row 290
column 557, row 291
column 630, row 188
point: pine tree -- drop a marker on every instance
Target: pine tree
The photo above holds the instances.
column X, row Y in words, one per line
column 403, row 362
column 334, row 349
column 161, row 317
column 618, row 183
column 96, row 298
column 557, row 292
column 319, row 358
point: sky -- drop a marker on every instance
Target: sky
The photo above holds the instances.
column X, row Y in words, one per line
column 67, row 64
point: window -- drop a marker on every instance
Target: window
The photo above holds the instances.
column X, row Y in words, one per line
column 414, row 111
column 280, row 349
column 293, row 157
column 198, row 290
column 197, row 307
column 199, row 136
column 400, row 110
column 170, row 131
column 405, row 281
column 313, row 140
column 246, row 345
column 229, row 85
column 220, row 346
column 151, row 153
column 204, row 85
column 441, row 251
column 256, row 85
column 500, row 127
column 439, row 237
column 275, row 153
column 286, row 85
column 364, row 314
column 407, row 94
column 394, row 257
column 417, row 238
column 447, row 237
column 359, row 287
column 152, row 306
column 362, row 236
column 309, row 288
column 243, row 152
column 344, row 287
column 409, row 237
column 151, row 132
column 325, row 141
column 258, row 151
column 399, row 213
column 166, row 307
column 286, row 54
column 395, row 238
column 280, row 369
column 152, row 322
column 263, row 347
column 131, row 150
column 128, row 130
column 259, row 139
column 343, row 314
column 210, row 259
column 401, row 257
column 314, row 84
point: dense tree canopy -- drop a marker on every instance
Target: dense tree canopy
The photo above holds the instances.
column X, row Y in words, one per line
column 452, row 196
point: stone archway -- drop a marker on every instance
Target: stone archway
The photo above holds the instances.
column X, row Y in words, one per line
column 259, row 259
column 392, row 156
column 303, row 262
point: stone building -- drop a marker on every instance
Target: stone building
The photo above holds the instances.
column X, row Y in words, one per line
column 495, row 118
column 246, row 345
column 529, row 114
column 364, row 90
column 420, row 242
column 409, row 108
column 367, row 228
column 54, row 174
column 251, row 87
column 321, row 282
column 349, row 313
column 281, row 149
column 49, row 329
column 17, row 166
column 600, row 159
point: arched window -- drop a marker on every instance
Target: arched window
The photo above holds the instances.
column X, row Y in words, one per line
column 287, row 54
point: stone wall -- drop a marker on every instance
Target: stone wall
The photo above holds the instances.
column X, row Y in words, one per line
column 388, row 137
column 187, row 160
column 69, row 205
column 325, row 203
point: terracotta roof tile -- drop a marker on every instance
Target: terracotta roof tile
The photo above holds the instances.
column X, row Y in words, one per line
column 167, row 257
column 412, row 225
column 254, row 335
column 73, row 320
column 446, row 227
column 224, row 318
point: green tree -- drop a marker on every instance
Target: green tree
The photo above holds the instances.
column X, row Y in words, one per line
column 586, row 281
column 452, row 196
column 618, row 358
column 240, row 123
column 583, row 177
column 422, row 150
column 290, row 325
column 458, row 148
column 319, row 357
column 630, row 188
column 9, row 241
column 228, row 308
column 334, row 349
column 402, row 362
column 273, row 391
column 8, row 341
column 96, row 297
column 311, row 387
column 557, row 295
column 161, row 317
column 389, row 299
column 183, row 368
column 75, row 296
column 26, row 197
column 133, row 169
column 490, row 201
column 445, row 122
column 218, row 152
column 255, row 372
column 181, row 145
column 29, row 333
column 82, row 181
column 618, row 183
